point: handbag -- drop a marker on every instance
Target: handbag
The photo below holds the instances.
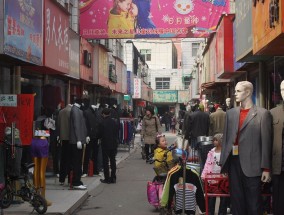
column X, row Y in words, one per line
column 154, row 192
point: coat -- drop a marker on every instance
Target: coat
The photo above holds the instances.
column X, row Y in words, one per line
column 278, row 124
column 209, row 164
column 92, row 122
column 64, row 122
column 217, row 122
column 108, row 132
column 150, row 127
column 78, row 130
column 197, row 124
column 254, row 140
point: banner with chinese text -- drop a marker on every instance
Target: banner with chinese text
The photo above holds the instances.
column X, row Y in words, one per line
column 23, row 38
column 150, row 19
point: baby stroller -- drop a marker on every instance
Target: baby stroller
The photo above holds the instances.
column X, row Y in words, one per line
column 155, row 187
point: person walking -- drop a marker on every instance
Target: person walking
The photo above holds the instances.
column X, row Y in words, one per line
column 108, row 133
column 150, row 128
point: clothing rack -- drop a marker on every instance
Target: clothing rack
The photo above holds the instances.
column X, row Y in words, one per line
column 126, row 133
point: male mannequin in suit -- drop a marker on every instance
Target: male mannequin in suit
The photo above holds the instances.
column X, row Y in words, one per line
column 246, row 151
column 277, row 156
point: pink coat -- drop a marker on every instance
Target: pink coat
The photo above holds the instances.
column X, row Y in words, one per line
column 208, row 167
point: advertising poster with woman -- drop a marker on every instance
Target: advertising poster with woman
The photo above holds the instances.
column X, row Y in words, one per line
column 150, row 18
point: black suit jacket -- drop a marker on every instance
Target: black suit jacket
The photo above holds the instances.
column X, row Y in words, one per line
column 108, row 132
column 198, row 124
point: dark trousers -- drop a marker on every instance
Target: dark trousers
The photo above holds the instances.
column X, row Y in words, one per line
column 95, row 156
column 149, row 148
column 109, row 156
column 55, row 150
column 76, row 164
column 167, row 126
column 65, row 160
column 278, row 194
column 222, row 207
column 245, row 191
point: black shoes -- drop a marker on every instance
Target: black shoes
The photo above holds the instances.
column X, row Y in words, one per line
column 105, row 181
column 113, row 180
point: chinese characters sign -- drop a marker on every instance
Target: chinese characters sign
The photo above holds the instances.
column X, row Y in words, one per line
column 23, row 30
column 137, row 88
column 56, row 38
column 8, row 100
column 150, row 18
column 23, row 116
column 165, row 96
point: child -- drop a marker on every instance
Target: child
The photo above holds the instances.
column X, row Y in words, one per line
column 163, row 157
column 212, row 166
column 121, row 20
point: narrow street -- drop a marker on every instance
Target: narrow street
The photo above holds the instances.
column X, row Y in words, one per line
column 129, row 194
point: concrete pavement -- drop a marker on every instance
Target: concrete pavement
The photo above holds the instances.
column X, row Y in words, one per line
column 65, row 201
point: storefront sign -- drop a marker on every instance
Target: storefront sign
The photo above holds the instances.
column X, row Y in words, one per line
column 8, row 100
column 243, row 25
column 23, row 116
column 137, row 88
column 156, row 18
column 126, row 97
column 74, row 50
column 23, row 38
column 141, row 103
column 168, row 96
column 183, row 96
column 130, row 84
column 56, row 31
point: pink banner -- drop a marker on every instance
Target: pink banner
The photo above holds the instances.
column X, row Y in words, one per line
column 150, row 19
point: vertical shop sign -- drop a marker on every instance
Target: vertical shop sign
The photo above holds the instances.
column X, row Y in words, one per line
column 137, row 88
column 56, row 38
column 23, row 38
column 23, row 116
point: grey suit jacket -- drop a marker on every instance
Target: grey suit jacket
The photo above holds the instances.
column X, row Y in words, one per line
column 255, row 140
column 78, row 130
column 278, row 123
column 64, row 122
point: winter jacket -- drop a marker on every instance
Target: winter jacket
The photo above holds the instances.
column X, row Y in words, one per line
column 208, row 168
column 108, row 132
column 150, row 127
column 91, row 122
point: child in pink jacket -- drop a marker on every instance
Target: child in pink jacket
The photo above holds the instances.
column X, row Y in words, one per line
column 212, row 166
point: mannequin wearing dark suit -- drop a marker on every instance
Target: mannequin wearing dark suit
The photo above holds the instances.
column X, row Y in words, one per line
column 64, row 127
column 277, row 156
column 78, row 135
column 246, row 151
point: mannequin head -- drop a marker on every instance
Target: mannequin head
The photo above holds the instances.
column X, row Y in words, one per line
column 282, row 89
column 228, row 102
column 243, row 91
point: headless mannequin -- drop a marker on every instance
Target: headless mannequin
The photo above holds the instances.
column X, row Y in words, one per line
column 277, row 163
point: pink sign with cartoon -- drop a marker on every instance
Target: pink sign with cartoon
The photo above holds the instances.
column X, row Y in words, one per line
column 150, row 18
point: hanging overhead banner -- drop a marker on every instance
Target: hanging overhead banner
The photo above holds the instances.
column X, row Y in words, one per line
column 150, row 18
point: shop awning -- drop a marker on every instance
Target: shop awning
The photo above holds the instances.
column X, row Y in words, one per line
column 213, row 84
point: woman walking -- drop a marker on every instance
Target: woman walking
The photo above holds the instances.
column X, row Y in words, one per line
column 150, row 128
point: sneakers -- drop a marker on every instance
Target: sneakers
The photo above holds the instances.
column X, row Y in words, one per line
column 84, row 175
column 80, row 187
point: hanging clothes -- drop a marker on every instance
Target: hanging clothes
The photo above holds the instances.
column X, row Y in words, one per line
column 194, row 194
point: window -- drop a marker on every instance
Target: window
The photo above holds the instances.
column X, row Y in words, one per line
column 186, row 81
column 162, row 83
column 146, row 54
column 195, row 47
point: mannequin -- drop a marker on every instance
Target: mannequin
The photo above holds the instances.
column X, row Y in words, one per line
column 77, row 138
column 39, row 153
column 246, row 151
column 277, row 156
column 185, row 120
column 228, row 104
column 64, row 128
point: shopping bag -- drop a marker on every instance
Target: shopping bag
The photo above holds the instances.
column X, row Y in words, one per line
column 154, row 192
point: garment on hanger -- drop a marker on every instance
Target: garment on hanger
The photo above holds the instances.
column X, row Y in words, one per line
column 194, row 194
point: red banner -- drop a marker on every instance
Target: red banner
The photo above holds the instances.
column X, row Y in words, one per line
column 22, row 115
